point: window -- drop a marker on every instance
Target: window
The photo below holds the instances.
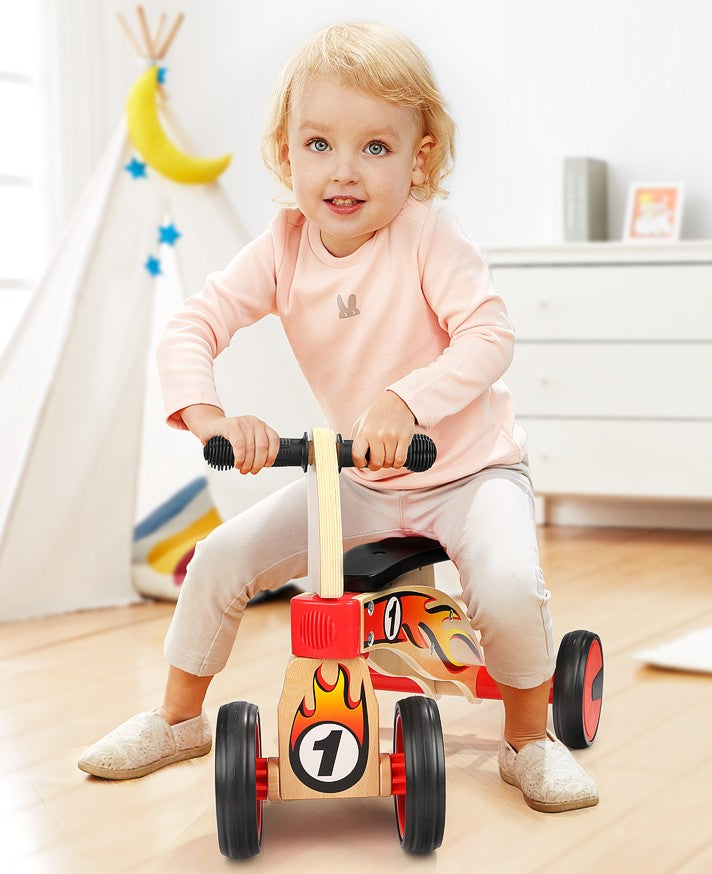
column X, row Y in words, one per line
column 22, row 209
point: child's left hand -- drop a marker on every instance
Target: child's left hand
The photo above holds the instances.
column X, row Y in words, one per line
column 385, row 430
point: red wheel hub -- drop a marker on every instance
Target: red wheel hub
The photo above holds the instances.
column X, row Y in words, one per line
column 398, row 775
column 591, row 704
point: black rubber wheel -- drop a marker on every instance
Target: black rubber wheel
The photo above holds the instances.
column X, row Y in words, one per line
column 578, row 689
column 237, row 748
column 420, row 813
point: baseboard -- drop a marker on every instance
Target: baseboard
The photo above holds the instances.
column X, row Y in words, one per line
column 624, row 513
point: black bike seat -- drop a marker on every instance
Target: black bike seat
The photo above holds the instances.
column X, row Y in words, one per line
column 374, row 566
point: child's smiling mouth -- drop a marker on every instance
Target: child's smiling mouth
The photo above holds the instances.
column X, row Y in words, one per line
column 344, row 205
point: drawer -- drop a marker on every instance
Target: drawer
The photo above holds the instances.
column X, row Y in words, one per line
column 666, row 381
column 604, row 302
column 613, row 458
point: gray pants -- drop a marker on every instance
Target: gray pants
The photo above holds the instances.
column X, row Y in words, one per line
column 485, row 522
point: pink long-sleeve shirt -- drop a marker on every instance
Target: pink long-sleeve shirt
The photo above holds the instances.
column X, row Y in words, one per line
column 412, row 310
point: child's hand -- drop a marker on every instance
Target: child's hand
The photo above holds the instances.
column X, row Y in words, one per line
column 385, row 429
column 254, row 443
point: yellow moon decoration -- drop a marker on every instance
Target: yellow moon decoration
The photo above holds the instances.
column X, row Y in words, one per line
column 151, row 140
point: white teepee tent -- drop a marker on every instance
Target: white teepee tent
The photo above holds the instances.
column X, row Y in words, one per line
column 73, row 380
column 72, row 387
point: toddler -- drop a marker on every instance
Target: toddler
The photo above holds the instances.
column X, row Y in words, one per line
column 368, row 269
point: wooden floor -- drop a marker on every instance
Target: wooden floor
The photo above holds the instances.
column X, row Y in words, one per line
column 66, row 680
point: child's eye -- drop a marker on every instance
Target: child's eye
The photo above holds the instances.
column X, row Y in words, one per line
column 317, row 145
column 377, row 149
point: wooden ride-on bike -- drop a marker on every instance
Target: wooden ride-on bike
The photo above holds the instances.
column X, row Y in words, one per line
column 410, row 638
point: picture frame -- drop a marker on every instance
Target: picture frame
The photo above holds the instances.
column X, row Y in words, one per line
column 654, row 212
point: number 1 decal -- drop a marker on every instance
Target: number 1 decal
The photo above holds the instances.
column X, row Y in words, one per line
column 392, row 618
column 330, row 746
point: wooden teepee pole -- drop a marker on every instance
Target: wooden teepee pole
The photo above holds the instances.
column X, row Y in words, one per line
column 146, row 33
column 151, row 50
column 131, row 38
column 171, row 36
column 158, row 32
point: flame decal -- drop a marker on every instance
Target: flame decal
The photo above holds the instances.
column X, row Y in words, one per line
column 422, row 623
column 333, row 706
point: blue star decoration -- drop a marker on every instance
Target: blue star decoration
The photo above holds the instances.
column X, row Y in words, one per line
column 168, row 234
column 153, row 265
column 136, row 168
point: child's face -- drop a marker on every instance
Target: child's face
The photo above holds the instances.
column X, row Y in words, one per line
column 352, row 159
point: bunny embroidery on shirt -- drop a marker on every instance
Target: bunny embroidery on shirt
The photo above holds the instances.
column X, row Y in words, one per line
column 345, row 312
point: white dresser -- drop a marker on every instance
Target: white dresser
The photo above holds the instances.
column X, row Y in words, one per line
column 612, row 375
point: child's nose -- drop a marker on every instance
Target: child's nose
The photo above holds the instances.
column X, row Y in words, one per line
column 344, row 169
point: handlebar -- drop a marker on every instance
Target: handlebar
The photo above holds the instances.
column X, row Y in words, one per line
column 294, row 452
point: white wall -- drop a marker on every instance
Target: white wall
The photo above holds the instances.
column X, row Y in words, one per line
column 628, row 81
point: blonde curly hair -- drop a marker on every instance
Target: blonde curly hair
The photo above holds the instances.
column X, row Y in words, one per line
column 376, row 60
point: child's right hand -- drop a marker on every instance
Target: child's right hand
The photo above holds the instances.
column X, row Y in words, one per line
column 254, row 443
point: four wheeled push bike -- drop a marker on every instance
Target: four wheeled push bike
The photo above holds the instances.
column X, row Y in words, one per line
column 374, row 621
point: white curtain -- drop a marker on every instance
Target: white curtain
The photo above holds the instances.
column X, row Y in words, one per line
column 73, row 115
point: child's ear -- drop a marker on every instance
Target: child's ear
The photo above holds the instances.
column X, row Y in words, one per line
column 284, row 164
column 420, row 162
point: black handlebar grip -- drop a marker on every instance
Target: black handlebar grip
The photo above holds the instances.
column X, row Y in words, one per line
column 218, row 453
column 421, row 453
column 294, row 452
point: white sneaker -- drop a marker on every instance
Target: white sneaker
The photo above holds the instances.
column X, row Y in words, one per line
column 550, row 778
column 145, row 743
